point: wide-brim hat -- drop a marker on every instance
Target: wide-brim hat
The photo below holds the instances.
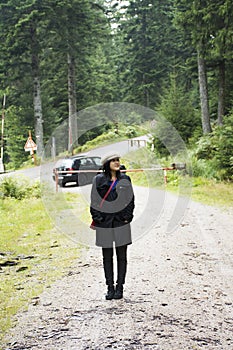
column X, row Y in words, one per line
column 109, row 156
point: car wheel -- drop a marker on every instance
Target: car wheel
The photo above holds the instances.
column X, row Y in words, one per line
column 63, row 183
column 82, row 179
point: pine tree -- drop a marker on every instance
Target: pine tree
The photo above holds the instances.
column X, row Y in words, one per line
column 149, row 37
column 208, row 26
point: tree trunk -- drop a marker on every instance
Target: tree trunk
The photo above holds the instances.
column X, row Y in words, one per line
column 73, row 129
column 203, row 88
column 221, row 93
column 37, row 104
column 145, row 92
column 38, row 116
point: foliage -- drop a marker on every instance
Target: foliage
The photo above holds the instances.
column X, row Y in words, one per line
column 19, row 188
column 16, row 130
column 204, row 188
column 93, row 133
column 207, row 25
column 112, row 134
column 215, row 152
column 204, row 168
column 177, row 107
column 223, row 139
column 178, row 112
column 109, row 136
column 139, row 51
column 130, row 132
column 148, row 38
column 58, row 31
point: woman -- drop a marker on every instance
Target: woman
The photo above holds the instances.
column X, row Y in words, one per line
column 112, row 205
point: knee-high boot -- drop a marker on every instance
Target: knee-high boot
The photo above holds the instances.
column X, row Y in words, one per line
column 121, row 270
column 108, row 271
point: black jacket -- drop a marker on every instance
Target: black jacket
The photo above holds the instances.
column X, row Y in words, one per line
column 116, row 212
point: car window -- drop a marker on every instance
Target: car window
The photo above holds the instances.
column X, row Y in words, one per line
column 97, row 160
column 76, row 164
column 86, row 161
column 64, row 162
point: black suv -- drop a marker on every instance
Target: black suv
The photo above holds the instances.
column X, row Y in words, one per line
column 65, row 167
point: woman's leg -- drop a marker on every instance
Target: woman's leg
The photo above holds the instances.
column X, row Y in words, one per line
column 121, row 253
column 108, row 271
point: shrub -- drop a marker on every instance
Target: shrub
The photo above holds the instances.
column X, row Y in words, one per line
column 205, row 168
column 223, row 139
column 13, row 188
column 213, row 157
column 130, row 132
column 205, row 147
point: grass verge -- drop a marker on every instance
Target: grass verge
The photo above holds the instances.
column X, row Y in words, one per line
column 32, row 255
column 213, row 193
column 207, row 191
column 202, row 190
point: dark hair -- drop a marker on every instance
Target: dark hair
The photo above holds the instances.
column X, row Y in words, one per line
column 107, row 171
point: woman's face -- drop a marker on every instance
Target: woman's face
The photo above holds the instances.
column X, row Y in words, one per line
column 115, row 164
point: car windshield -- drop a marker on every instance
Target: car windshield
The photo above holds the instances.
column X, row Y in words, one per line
column 97, row 160
column 64, row 162
column 76, row 162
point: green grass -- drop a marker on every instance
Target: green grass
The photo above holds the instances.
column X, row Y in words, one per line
column 108, row 137
column 42, row 255
column 213, row 193
column 202, row 190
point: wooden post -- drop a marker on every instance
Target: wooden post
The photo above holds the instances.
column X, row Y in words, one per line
column 165, row 176
column 56, row 179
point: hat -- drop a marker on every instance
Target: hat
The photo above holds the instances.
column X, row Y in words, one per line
column 109, row 156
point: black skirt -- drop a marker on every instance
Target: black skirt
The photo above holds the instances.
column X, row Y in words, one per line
column 106, row 237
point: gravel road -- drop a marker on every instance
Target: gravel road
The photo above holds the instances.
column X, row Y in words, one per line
column 178, row 293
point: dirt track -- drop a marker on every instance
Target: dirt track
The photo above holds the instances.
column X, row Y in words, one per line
column 178, row 294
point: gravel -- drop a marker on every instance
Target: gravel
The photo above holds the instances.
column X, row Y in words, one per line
column 178, row 293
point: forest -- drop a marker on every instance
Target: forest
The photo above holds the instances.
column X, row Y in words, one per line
column 59, row 57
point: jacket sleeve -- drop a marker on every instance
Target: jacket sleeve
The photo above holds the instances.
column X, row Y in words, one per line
column 95, row 201
column 127, row 212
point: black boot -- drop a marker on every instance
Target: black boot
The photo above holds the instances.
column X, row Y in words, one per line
column 110, row 293
column 121, row 270
column 119, row 292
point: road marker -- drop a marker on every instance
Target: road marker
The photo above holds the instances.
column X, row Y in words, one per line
column 30, row 146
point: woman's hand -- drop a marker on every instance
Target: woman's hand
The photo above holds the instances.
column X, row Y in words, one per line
column 98, row 219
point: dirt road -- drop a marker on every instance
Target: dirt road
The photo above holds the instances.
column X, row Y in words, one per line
column 178, row 293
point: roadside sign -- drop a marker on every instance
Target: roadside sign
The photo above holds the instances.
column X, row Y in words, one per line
column 30, row 145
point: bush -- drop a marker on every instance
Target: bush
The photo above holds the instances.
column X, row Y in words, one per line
column 177, row 110
column 13, row 188
column 115, row 133
column 205, row 168
column 205, row 147
column 130, row 132
column 223, row 139
column 214, row 152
